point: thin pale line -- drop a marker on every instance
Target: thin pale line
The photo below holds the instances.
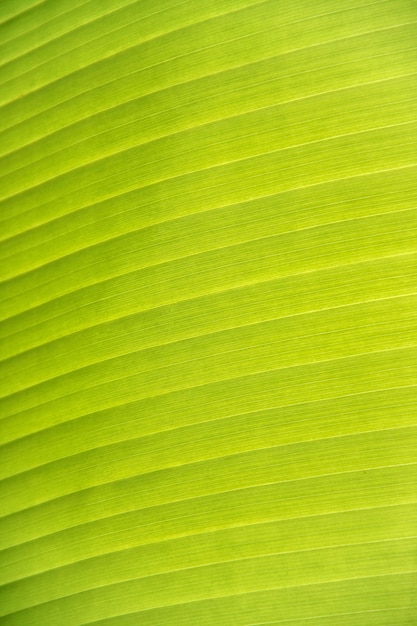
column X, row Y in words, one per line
column 59, row 16
column 130, row 4
column 107, row 34
column 132, row 376
column 182, row 218
column 222, row 164
column 203, row 77
column 293, row 189
column 188, row 298
column 215, row 564
column 205, row 422
column 189, row 128
column 166, row 262
column 107, row 279
column 315, row 617
column 237, row 397
column 199, row 462
column 199, row 497
column 226, row 418
column 230, row 416
column 204, row 533
column 403, row 295
column 201, row 49
column 294, row 167
column 197, row 297
column 217, row 331
column 204, row 358
column 26, row 10
column 136, row 313
column 263, row 590
column 202, row 462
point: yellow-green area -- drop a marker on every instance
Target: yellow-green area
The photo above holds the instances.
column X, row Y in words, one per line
column 208, row 313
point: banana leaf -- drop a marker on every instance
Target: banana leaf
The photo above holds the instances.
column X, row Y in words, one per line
column 208, row 313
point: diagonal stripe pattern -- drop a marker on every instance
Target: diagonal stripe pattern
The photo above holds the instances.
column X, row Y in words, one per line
column 208, row 313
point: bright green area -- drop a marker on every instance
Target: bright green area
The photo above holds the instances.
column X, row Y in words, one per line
column 208, row 313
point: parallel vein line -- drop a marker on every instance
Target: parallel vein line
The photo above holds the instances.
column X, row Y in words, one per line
column 214, row 564
column 200, row 463
column 225, row 596
column 192, row 498
column 125, row 379
column 195, row 126
column 200, row 358
column 196, row 171
column 202, row 533
column 206, row 48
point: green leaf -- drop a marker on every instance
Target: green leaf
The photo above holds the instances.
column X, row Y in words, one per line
column 208, row 313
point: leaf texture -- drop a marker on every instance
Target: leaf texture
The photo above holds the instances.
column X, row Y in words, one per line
column 208, row 313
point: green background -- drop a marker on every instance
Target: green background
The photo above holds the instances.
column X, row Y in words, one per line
column 208, row 312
